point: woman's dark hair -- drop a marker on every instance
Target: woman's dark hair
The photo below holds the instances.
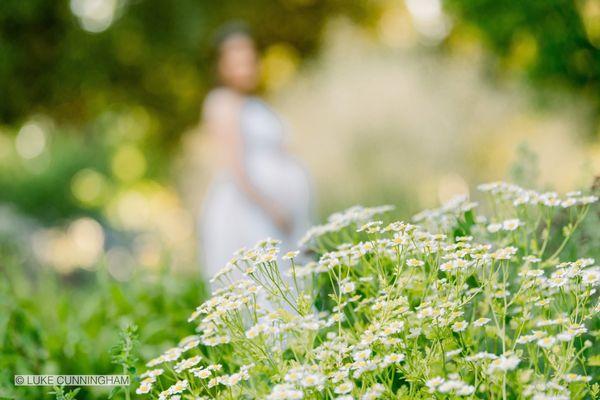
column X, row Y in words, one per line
column 227, row 31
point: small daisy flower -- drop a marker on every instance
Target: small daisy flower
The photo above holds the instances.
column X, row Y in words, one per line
column 347, row 287
column 511, row 224
column 546, row 342
column 413, row 262
column 493, row 228
column 504, row 363
column 290, row 254
column 393, row 358
column 145, row 387
column 178, row 387
column 344, row 387
column 460, row 326
column 576, row 378
column 481, row 322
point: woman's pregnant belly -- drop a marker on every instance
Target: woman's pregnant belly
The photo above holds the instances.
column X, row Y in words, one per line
column 282, row 179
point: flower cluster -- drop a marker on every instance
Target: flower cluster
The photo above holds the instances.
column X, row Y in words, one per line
column 457, row 305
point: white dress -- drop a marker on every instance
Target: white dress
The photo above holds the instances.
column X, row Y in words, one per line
column 229, row 219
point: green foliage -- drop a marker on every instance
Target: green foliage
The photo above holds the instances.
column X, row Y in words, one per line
column 42, row 187
column 525, row 171
column 123, row 354
column 155, row 54
column 554, row 43
column 60, row 394
column 51, row 324
column 587, row 238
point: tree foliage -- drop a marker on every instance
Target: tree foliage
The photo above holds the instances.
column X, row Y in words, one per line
column 554, row 42
column 155, row 54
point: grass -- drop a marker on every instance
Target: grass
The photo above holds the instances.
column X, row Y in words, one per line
column 52, row 324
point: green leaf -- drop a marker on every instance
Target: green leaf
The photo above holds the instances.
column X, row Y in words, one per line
column 115, row 391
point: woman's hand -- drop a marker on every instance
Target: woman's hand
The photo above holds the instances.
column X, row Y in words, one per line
column 280, row 218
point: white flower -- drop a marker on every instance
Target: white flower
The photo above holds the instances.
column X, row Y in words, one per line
column 362, row 355
column 564, row 337
column 450, row 354
column 394, row 358
column 153, row 373
column 145, row 387
column 460, row 326
column 189, row 342
column 230, row 380
column 433, row 383
column 414, row 333
column 347, row 287
column 285, row 392
column 202, row 373
column 576, row 378
column 532, row 259
column 178, row 387
column 511, row 224
column 374, row 392
column 256, row 330
column 290, row 254
column 590, row 277
column 588, row 199
column 481, row 321
column 343, row 388
column 493, row 228
column 546, row 342
column 413, row 262
column 452, row 385
column 187, row 364
column 568, row 203
column 465, row 390
column 503, row 363
column 155, row 361
column 172, row 354
column 481, row 356
column 311, row 380
column 505, row 253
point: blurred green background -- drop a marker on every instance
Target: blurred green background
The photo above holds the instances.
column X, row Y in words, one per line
column 103, row 164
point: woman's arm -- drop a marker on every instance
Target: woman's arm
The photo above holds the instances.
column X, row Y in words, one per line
column 222, row 118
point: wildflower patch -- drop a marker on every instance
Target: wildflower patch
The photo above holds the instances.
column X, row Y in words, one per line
column 454, row 304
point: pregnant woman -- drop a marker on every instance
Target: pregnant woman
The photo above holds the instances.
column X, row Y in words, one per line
column 260, row 190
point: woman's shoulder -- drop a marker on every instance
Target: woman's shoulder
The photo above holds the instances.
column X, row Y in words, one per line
column 222, row 95
column 221, row 102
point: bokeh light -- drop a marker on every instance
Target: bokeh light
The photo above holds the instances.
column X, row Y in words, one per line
column 429, row 19
column 79, row 245
column 395, row 27
column 31, row 140
column 279, row 65
column 128, row 163
column 94, row 15
column 88, row 237
column 89, row 187
column 590, row 13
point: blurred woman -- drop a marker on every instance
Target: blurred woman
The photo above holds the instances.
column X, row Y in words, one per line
column 260, row 190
